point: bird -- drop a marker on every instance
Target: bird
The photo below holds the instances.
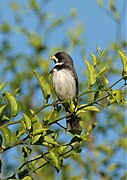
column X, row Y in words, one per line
column 65, row 83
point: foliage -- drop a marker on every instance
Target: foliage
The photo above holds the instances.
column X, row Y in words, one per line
column 32, row 122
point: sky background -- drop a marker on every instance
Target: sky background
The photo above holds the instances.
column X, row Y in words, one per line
column 98, row 26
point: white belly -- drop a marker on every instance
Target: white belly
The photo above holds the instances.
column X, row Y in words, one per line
column 64, row 84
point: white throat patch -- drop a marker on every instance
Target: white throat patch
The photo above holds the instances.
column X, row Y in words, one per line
column 59, row 63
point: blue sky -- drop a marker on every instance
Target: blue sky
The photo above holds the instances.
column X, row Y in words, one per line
column 99, row 28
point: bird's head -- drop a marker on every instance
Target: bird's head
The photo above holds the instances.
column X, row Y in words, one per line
column 61, row 58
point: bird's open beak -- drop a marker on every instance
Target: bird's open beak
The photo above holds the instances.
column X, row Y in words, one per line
column 53, row 58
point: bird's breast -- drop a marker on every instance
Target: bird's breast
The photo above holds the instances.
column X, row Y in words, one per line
column 64, row 84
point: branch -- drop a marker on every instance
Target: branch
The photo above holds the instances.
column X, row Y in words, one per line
column 15, row 144
column 62, row 102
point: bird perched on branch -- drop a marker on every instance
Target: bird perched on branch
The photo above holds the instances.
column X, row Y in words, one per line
column 65, row 82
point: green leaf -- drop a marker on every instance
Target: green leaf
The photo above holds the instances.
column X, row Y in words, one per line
column 54, row 160
column 5, row 118
column 54, row 115
column 2, row 108
column 118, row 96
column 124, row 63
column 113, row 167
column 98, row 93
column 6, row 134
column 35, row 138
column 50, row 140
column 37, row 126
column 27, row 121
column 100, row 3
column 2, row 86
column 91, row 108
column 123, row 59
column 15, row 6
column 45, row 87
column 83, row 109
column 26, row 151
column 33, row 4
column 27, row 178
column 78, row 138
column 56, row 23
column 21, row 130
column 35, row 40
column 75, row 139
column 94, row 59
column 102, row 54
column 72, row 105
column 62, row 149
column 73, row 12
column 91, row 73
column 102, row 71
column 105, row 80
column 91, row 127
column 14, row 104
column 5, row 27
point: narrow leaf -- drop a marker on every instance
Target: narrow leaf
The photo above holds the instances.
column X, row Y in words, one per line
column 2, row 108
column 14, row 104
column 56, row 23
column 6, row 134
column 2, row 86
column 91, row 127
column 75, row 139
column 91, row 108
column 91, row 73
column 102, row 54
column 50, row 140
column 124, row 63
column 26, row 151
column 37, row 125
column 27, row 178
column 27, row 121
column 94, row 59
column 118, row 96
column 123, row 59
column 21, row 130
column 102, row 71
column 35, row 139
column 35, row 40
column 45, row 87
column 98, row 93
column 53, row 116
column 105, row 80
column 83, row 109
column 55, row 161
column 72, row 105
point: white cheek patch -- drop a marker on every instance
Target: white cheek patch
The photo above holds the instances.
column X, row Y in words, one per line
column 64, row 84
column 59, row 63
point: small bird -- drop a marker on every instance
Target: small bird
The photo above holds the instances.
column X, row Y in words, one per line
column 65, row 82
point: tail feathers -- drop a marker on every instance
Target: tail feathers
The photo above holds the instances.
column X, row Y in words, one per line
column 73, row 124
